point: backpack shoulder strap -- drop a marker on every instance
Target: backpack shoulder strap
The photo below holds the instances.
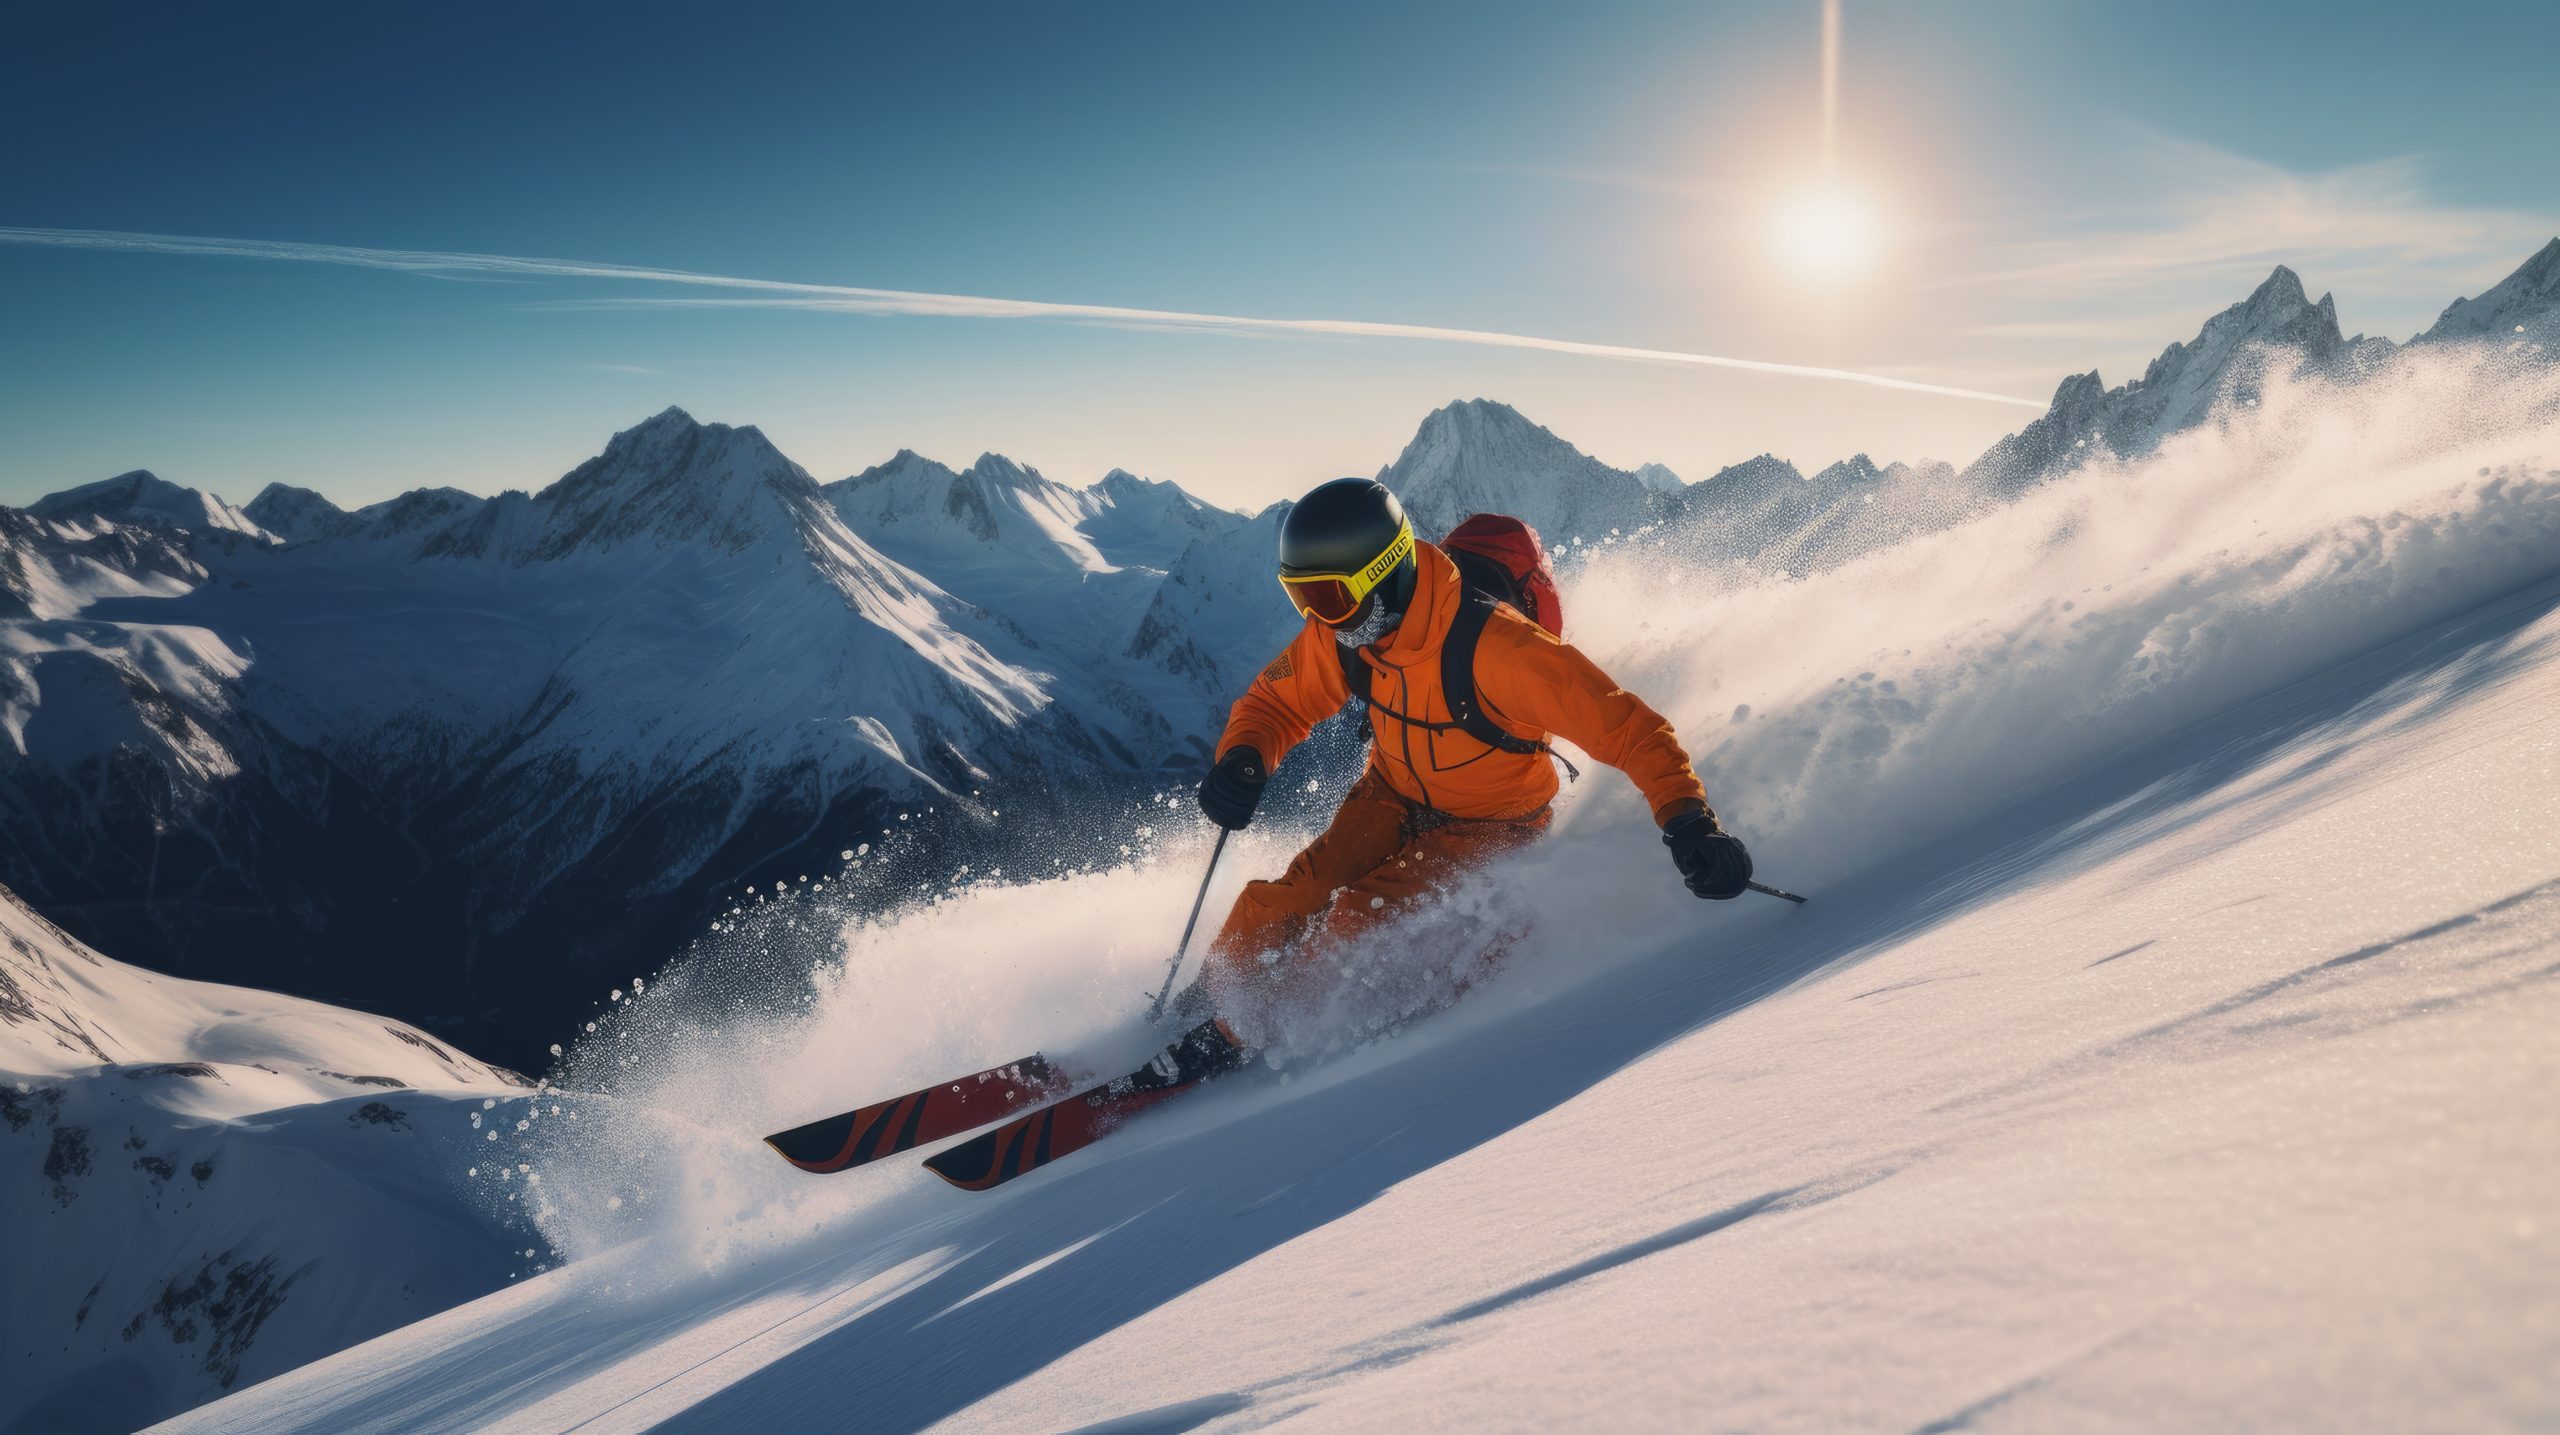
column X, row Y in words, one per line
column 1458, row 678
column 1457, row 686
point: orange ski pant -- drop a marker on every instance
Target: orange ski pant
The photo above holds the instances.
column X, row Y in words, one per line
column 1379, row 855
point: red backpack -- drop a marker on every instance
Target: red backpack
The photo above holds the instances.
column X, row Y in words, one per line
column 1499, row 555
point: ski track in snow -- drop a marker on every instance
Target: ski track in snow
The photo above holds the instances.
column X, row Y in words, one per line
column 2167, row 1044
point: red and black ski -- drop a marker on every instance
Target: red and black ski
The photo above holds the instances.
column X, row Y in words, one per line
column 1027, row 1143
column 919, row 1118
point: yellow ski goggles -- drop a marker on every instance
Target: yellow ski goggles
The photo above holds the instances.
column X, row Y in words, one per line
column 1332, row 598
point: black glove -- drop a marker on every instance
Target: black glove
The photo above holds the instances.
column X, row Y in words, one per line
column 1234, row 788
column 1711, row 860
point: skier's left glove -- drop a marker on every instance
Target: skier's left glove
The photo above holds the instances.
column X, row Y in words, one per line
column 1711, row 860
column 1234, row 788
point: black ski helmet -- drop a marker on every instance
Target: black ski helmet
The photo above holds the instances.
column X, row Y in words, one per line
column 1353, row 531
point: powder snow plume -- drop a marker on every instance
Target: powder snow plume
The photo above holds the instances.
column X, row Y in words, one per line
column 1895, row 700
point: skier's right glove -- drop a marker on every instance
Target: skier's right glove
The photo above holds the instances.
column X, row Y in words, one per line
column 1711, row 860
column 1234, row 788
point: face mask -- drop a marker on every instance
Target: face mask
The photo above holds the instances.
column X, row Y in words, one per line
column 1368, row 630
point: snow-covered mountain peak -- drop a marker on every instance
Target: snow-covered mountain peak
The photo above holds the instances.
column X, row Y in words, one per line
column 1759, row 474
column 669, row 422
column 907, row 482
column 995, row 468
column 1927, row 470
column 1658, row 479
column 1479, row 419
column 1005, row 513
column 145, row 498
column 1150, row 522
column 672, row 480
column 2276, row 312
column 2280, row 291
column 2078, row 393
column 918, row 510
column 1857, row 468
column 2526, row 302
column 1120, row 487
column 904, row 466
column 420, row 510
column 2279, row 327
column 1479, row 456
column 296, row 515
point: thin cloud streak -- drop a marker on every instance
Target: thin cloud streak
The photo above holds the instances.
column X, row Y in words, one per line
column 2233, row 216
column 848, row 299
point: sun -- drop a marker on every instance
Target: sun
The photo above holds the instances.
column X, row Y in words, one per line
column 1826, row 232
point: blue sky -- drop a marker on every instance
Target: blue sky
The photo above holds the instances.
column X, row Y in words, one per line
column 2045, row 188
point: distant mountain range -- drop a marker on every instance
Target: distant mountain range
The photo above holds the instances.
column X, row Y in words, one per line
column 472, row 760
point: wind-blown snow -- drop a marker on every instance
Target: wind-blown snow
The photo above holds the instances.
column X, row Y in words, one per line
column 2167, row 1043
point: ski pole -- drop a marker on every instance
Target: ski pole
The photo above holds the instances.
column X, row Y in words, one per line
column 1770, row 891
column 1156, row 1009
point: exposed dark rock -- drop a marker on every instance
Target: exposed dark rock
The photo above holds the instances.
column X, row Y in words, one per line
column 232, row 1300
column 21, row 1108
column 195, row 1070
column 66, row 1160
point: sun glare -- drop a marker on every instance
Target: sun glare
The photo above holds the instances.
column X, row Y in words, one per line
column 1826, row 232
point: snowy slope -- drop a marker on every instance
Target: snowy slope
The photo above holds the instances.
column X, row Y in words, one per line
column 2166, row 1047
column 204, row 1186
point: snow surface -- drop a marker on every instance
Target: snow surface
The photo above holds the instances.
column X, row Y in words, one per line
column 203, row 1186
column 2167, row 1046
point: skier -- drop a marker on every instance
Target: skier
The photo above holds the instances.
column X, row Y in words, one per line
column 1455, row 777
column 1462, row 692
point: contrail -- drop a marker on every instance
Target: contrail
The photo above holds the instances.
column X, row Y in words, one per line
column 849, row 299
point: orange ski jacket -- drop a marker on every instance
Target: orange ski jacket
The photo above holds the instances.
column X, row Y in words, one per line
column 1531, row 683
